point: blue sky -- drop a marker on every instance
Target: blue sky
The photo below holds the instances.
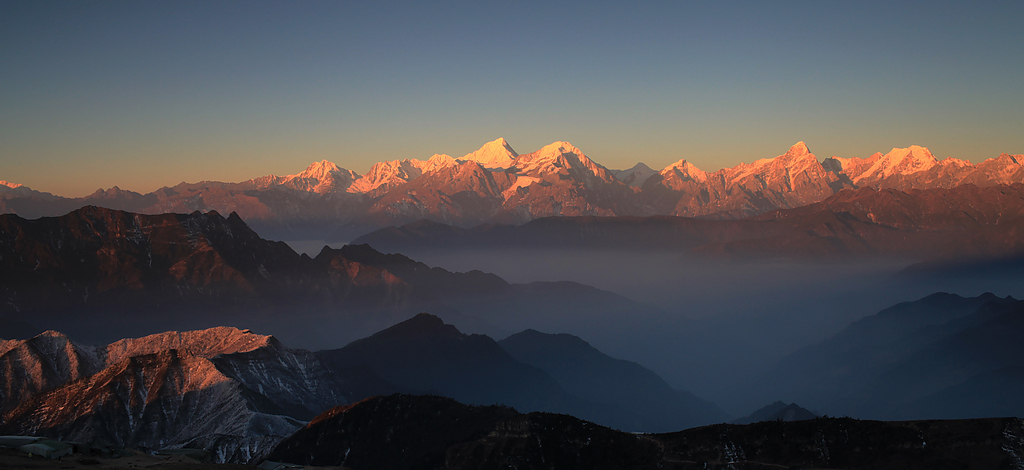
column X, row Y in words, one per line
column 148, row 94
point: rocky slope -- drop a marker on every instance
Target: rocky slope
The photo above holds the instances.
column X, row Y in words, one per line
column 496, row 184
column 223, row 389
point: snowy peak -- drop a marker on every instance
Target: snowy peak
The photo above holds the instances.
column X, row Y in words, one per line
column 898, row 162
column 797, row 160
column 908, row 160
column 635, row 176
column 436, row 162
column 386, row 175
column 496, row 154
column 9, row 184
column 684, row 171
column 556, row 149
column 320, row 170
column 561, row 158
column 798, row 149
column 319, row 177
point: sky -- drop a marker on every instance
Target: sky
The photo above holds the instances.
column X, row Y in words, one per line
column 149, row 94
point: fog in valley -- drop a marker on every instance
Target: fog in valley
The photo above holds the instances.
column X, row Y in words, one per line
column 723, row 323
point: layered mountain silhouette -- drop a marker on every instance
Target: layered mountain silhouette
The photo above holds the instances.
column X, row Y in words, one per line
column 237, row 393
column 943, row 356
column 963, row 221
column 105, row 274
column 529, row 371
column 650, row 404
column 495, row 184
column 402, row 431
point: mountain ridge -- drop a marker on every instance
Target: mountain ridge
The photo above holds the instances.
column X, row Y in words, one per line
column 556, row 180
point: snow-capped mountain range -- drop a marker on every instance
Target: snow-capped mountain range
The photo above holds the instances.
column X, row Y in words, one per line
column 497, row 184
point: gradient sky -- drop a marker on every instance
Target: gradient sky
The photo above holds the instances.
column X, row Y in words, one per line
column 148, row 94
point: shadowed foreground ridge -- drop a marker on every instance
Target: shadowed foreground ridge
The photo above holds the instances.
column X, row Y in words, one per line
column 426, row 432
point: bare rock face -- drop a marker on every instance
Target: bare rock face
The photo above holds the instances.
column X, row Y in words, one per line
column 152, row 401
column 40, row 364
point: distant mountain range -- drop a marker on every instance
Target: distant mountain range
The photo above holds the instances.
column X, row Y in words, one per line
column 962, row 221
column 943, row 356
column 497, row 185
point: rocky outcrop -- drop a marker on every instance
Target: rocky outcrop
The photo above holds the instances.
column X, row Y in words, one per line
column 230, row 391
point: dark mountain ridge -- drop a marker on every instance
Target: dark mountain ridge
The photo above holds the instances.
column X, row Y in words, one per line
column 91, row 271
column 427, row 355
column 965, row 220
column 402, row 431
column 652, row 405
column 901, row 362
column 777, row 411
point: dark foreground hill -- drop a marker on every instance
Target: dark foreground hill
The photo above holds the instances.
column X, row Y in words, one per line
column 777, row 411
column 426, row 432
column 422, row 432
